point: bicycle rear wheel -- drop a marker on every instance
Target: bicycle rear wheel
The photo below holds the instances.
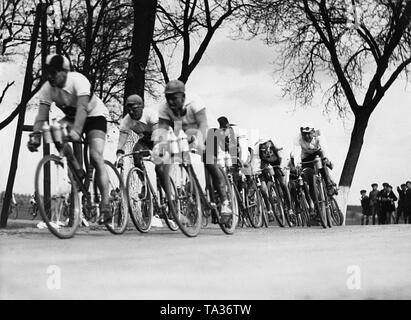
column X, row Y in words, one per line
column 184, row 199
column 58, row 201
column 117, row 199
column 140, row 200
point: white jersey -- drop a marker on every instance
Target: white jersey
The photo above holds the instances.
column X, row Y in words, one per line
column 77, row 85
column 146, row 124
column 308, row 148
column 143, row 127
column 192, row 104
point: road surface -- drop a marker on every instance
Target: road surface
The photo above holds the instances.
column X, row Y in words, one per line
column 351, row 262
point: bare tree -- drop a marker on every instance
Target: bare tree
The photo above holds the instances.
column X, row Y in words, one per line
column 359, row 49
column 144, row 19
column 14, row 17
column 190, row 24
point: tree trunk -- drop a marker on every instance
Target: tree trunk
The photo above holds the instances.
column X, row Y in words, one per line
column 351, row 160
column 144, row 18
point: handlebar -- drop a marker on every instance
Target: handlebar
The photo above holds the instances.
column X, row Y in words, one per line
column 138, row 153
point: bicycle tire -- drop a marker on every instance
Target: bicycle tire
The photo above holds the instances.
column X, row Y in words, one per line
column 256, row 219
column 68, row 230
column 288, row 218
column 232, row 198
column 319, row 200
column 185, row 196
column 168, row 217
column 120, row 209
column 336, row 213
column 276, row 204
column 140, row 206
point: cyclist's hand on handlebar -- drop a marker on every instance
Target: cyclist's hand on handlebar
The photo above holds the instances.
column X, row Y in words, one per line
column 74, row 136
column 34, row 142
column 119, row 163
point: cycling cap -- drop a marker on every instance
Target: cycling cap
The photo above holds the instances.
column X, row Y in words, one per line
column 57, row 62
column 307, row 129
column 134, row 99
column 175, row 86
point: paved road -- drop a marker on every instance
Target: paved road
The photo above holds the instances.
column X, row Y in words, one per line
column 271, row 263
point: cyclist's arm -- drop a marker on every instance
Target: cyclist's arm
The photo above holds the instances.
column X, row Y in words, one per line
column 42, row 116
column 122, row 140
column 81, row 113
column 201, row 118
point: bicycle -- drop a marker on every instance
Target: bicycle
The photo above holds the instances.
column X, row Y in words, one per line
column 299, row 201
column 275, row 198
column 190, row 204
column 58, row 200
column 323, row 203
column 249, row 199
column 142, row 197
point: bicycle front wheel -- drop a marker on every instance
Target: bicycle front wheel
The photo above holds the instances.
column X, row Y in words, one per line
column 140, row 200
column 117, row 199
column 184, row 199
column 254, row 206
column 319, row 199
column 57, row 196
column 276, row 204
column 336, row 213
column 228, row 227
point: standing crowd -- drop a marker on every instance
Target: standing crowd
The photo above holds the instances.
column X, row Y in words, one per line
column 379, row 205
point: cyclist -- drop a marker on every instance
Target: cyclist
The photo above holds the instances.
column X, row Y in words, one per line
column 230, row 146
column 143, row 121
column 85, row 112
column 189, row 113
column 270, row 154
column 313, row 144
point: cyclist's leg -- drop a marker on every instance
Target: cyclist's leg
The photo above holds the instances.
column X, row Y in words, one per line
column 264, row 192
column 218, row 180
column 282, row 180
column 96, row 140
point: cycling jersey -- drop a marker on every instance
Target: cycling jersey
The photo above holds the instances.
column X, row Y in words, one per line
column 66, row 98
column 312, row 147
column 143, row 127
column 269, row 154
column 192, row 105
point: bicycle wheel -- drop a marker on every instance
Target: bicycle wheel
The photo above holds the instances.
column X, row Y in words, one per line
column 168, row 216
column 291, row 220
column 254, row 207
column 276, row 204
column 319, row 200
column 336, row 213
column 304, row 209
column 58, row 201
column 117, row 199
column 184, row 200
column 140, row 200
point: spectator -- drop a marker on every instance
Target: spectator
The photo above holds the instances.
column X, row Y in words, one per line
column 374, row 206
column 407, row 203
column 34, row 206
column 388, row 199
column 400, row 208
column 381, row 215
column 365, row 204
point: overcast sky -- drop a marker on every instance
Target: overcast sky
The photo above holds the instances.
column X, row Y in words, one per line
column 236, row 79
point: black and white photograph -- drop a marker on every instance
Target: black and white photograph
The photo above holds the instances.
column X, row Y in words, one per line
column 218, row 151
